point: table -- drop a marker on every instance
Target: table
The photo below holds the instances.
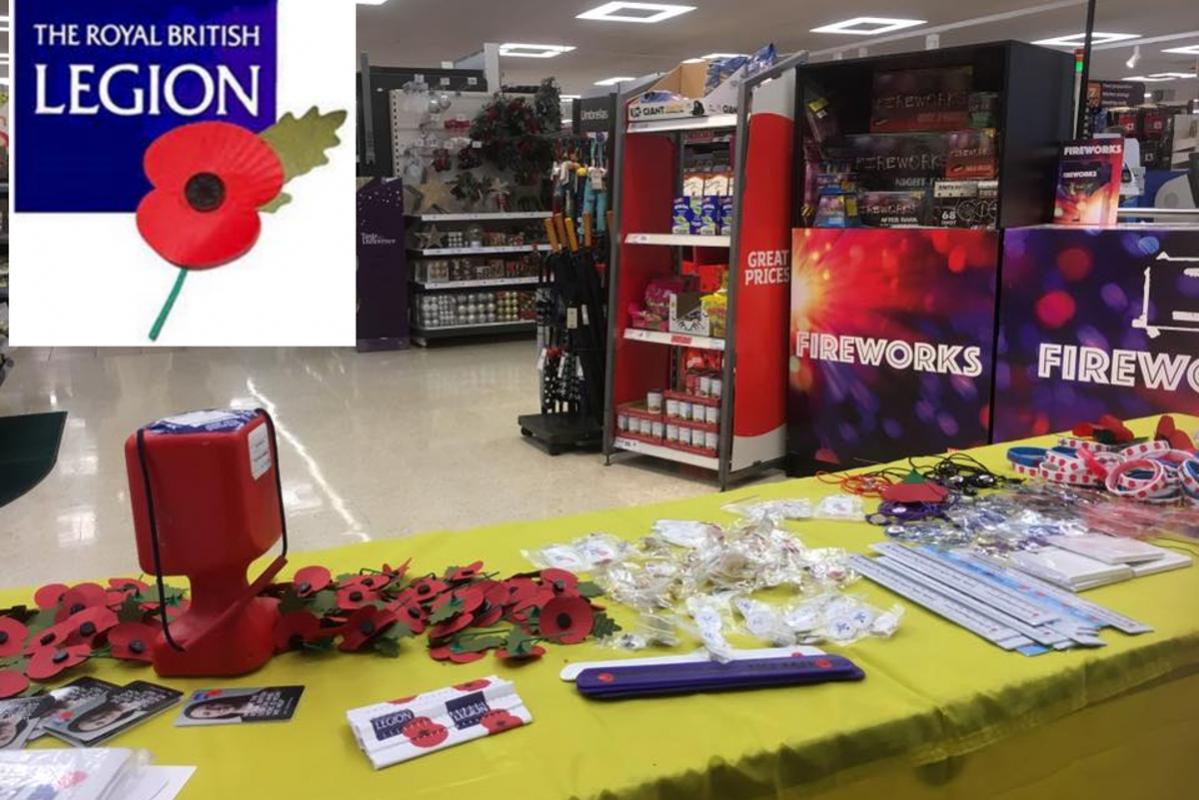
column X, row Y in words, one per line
column 940, row 714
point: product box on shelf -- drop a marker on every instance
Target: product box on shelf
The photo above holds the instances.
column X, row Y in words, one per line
column 687, row 314
column 889, row 162
column 965, row 204
column 1088, row 185
column 934, row 99
column 891, row 209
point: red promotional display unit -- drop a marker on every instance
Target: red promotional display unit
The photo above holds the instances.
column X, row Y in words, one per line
column 207, row 502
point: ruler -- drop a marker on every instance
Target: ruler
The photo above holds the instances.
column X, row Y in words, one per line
column 1013, row 578
column 978, row 624
column 1042, row 636
column 1006, row 600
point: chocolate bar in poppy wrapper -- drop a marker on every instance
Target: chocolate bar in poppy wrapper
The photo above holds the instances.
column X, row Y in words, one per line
column 410, row 727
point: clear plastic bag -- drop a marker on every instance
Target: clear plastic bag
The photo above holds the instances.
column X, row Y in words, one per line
column 797, row 508
column 841, row 507
column 840, row 619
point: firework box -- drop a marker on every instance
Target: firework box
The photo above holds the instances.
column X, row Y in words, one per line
column 891, row 162
column 410, row 727
column 965, row 204
column 1088, row 182
column 921, row 100
column 891, row 209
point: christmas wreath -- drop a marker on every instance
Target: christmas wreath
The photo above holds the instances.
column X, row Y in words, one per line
column 512, row 131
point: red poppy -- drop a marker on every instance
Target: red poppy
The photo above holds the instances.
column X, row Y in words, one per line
column 46, row 662
column 12, row 637
column 210, row 179
column 114, row 599
column 560, row 580
column 470, row 597
column 519, row 589
column 372, row 582
column 47, row 637
column 132, row 641
column 566, row 619
column 442, row 653
column 295, row 628
column 399, row 701
column 488, row 616
column 543, row 595
column 50, row 595
column 12, row 683
column 449, row 628
column 424, row 732
column 466, row 657
column 494, row 592
column 128, row 585
column 353, row 598
column 85, row 626
column 533, row 654
column 413, row 617
column 362, row 626
column 473, row 686
column 469, row 572
column 79, row 597
column 498, row 721
column 310, row 580
column 428, row 588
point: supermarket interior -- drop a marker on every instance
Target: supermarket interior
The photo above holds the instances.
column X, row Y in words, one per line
column 745, row 400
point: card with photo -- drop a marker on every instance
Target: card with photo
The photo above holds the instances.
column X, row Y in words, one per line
column 235, row 706
column 69, row 698
column 19, row 718
column 105, row 717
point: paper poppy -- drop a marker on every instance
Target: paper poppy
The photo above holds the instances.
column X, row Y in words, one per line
column 12, row 637
column 89, row 623
column 413, row 617
column 79, row 597
column 473, row 686
column 560, row 580
column 46, row 662
column 371, row 582
column 295, row 628
column 132, row 641
column 519, row 590
column 210, row 179
column 566, row 619
column 470, row 597
column 534, row 652
column 450, row 627
column 12, row 683
column 487, row 616
column 469, row 572
column 442, row 653
column 310, row 580
column 47, row 637
column 499, row 720
column 424, row 732
column 399, row 701
column 494, row 592
column 50, row 595
column 396, row 573
column 128, row 585
column 362, row 626
column 353, row 598
column 426, row 589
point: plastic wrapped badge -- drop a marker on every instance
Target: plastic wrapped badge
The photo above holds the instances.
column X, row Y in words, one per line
column 841, row 506
column 601, row 548
column 557, row 556
column 708, row 613
column 647, row 585
column 841, row 619
column 829, row 566
column 72, row 774
column 765, row 622
column 686, row 533
column 798, row 508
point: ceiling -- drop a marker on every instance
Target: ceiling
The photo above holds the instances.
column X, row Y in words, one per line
column 427, row 32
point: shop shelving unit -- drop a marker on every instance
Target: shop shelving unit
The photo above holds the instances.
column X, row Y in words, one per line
column 649, row 169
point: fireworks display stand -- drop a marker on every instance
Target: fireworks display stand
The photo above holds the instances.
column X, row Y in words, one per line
column 893, row 327
column 744, row 424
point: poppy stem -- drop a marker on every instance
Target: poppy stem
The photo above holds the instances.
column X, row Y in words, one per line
column 168, row 305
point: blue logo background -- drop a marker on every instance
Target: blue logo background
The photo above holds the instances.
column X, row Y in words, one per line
column 93, row 163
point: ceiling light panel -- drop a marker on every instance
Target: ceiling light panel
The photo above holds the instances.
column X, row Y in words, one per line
column 715, row 56
column 613, row 81
column 868, row 26
column 534, row 50
column 1080, row 39
column 1189, row 50
column 1149, row 78
column 635, row 12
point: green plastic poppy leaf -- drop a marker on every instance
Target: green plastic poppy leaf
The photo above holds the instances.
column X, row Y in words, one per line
column 301, row 142
column 475, row 644
column 603, row 626
column 446, row 612
column 589, row 589
column 290, row 602
column 130, row 611
column 387, row 647
column 270, row 208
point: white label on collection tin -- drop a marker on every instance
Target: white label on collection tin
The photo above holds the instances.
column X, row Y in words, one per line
column 684, row 436
column 684, row 410
column 672, row 407
column 705, row 385
column 712, row 415
column 672, row 433
column 622, row 422
column 646, row 427
column 260, row 451
column 717, row 387
column 711, row 440
column 653, row 401
column 657, row 430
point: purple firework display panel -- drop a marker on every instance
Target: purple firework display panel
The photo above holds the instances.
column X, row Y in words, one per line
column 892, row 339
column 1094, row 322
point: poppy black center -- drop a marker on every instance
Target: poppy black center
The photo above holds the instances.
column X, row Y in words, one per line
column 87, row 628
column 60, row 656
column 355, row 596
column 367, row 627
column 304, row 587
column 205, row 192
column 412, row 612
column 75, row 609
column 563, row 620
column 424, row 588
column 3, row 637
column 47, row 638
column 295, row 641
column 137, row 647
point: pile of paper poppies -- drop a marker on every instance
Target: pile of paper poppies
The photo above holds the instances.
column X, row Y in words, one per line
column 463, row 614
column 70, row 624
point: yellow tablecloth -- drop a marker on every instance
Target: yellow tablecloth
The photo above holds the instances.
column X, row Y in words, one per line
column 941, row 713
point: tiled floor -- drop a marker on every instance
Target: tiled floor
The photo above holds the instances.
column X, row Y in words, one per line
column 372, row 446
